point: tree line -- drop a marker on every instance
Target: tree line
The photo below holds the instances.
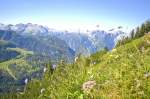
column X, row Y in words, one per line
column 136, row 33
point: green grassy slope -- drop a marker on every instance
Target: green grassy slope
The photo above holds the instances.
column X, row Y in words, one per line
column 14, row 70
column 7, row 54
column 123, row 73
column 20, row 59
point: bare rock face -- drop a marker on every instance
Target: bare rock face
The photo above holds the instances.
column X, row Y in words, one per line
column 88, row 86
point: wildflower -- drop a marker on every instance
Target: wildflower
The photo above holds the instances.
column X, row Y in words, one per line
column 117, row 56
column 94, row 63
column 87, row 86
column 138, row 83
column 130, row 55
column 89, row 72
column 54, row 66
column 141, row 93
column 91, row 76
column 107, row 82
column 26, row 81
column 148, row 42
column 142, row 49
column 44, row 70
column 42, row 90
column 110, row 55
column 147, row 75
column 114, row 50
column 76, row 58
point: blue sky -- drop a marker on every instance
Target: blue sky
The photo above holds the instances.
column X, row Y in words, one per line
column 75, row 13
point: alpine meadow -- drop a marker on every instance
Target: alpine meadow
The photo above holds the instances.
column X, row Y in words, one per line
column 74, row 49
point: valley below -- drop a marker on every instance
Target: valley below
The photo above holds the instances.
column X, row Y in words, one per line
column 39, row 63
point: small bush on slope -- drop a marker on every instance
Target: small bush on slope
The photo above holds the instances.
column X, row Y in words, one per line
column 123, row 73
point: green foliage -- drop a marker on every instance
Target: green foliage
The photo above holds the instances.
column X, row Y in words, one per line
column 39, row 44
column 18, row 61
column 132, row 34
column 123, row 73
column 15, row 69
column 144, row 28
column 138, row 32
column 7, row 54
column 124, row 40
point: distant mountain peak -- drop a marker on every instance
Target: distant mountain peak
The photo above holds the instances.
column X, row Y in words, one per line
column 89, row 41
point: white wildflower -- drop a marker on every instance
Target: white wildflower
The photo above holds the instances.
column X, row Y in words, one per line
column 76, row 58
column 94, row 63
column 44, row 70
column 147, row 75
column 114, row 50
column 26, row 81
column 42, row 90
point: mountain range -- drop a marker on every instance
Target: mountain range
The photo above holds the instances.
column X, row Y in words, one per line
column 17, row 42
column 58, row 44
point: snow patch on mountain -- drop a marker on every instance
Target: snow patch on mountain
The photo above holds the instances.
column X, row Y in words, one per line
column 88, row 42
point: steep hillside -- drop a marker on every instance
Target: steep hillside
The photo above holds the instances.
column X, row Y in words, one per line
column 50, row 46
column 14, row 70
column 123, row 73
column 6, row 54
